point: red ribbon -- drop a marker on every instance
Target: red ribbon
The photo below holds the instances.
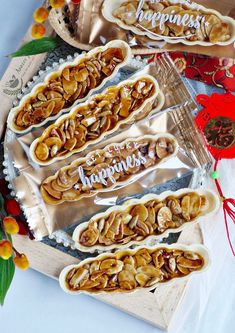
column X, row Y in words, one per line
column 227, row 209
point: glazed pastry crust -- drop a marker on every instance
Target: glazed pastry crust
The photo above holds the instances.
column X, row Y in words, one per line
column 89, row 122
column 184, row 21
column 72, row 82
column 130, row 270
column 137, row 222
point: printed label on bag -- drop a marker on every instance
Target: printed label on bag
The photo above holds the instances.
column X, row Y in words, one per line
column 105, row 174
column 159, row 18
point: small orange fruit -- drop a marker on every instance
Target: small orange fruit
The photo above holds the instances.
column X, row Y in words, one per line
column 10, row 225
column 57, row 3
column 38, row 30
column 21, row 261
column 40, row 14
column 5, row 249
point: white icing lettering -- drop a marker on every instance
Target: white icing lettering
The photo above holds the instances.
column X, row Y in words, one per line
column 129, row 162
column 106, row 174
column 85, row 180
column 102, row 175
column 185, row 19
column 162, row 18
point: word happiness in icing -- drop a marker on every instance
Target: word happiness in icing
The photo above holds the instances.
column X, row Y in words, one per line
column 159, row 19
column 106, row 174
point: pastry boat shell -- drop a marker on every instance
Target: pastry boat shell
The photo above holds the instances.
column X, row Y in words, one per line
column 79, row 161
column 75, row 110
column 109, row 6
column 113, row 44
column 197, row 248
column 213, row 204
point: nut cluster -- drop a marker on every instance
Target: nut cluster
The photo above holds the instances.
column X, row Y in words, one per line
column 74, row 83
column 210, row 27
column 90, row 120
column 103, row 169
column 139, row 221
column 127, row 272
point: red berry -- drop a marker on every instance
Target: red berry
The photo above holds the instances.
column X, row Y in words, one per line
column 12, row 207
column 40, row 15
column 10, row 225
column 57, row 3
column 76, row 2
column 5, row 249
column 23, row 228
column 38, row 30
column 21, row 261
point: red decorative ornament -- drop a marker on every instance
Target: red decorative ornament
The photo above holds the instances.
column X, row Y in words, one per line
column 217, row 123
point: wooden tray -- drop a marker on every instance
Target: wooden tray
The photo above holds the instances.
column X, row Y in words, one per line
column 156, row 308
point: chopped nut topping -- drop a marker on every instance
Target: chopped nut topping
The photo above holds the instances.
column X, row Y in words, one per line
column 129, row 270
column 193, row 24
column 74, row 83
column 139, row 221
column 103, row 169
column 99, row 116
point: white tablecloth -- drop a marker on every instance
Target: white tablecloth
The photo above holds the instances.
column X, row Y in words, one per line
column 36, row 303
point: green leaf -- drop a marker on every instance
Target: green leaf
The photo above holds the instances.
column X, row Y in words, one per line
column 7, row 270
column 45, row 44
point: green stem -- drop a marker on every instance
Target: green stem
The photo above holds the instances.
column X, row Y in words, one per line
column 16, row 252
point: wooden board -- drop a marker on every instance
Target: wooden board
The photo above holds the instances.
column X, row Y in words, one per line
column 157, row 308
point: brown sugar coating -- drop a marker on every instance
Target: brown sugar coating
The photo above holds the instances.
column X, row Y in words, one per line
column 183, row 21
column 123, row 272
column 104, row 169
column 92, row 120
column 62, row 90
column 139, row 221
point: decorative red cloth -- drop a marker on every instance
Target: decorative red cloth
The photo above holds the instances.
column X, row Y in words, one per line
column 211, row 70
column 217, row 71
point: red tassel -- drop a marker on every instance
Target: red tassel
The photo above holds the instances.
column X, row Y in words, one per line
column 228, row 209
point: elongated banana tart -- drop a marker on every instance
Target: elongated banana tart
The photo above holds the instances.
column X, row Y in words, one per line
column 139, row 220
column 105, row 169
column 73, row 82
column 88, row 123
column 173, row 21
column 132, row 270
